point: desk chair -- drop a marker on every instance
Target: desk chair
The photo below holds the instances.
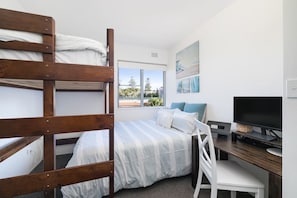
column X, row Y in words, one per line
column 222, row 174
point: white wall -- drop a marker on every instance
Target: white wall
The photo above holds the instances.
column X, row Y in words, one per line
column 24, row 161
column 240, row 55
column 290, row 105
column 76, row 103
column 16, row 103
column 19, row 103
column 11, row 4
column 136, row 54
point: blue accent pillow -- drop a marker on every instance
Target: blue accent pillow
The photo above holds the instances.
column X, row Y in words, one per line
column 179, row 105
column 196, row 107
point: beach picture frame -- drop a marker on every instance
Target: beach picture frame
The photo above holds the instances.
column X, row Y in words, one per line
column 187, row 69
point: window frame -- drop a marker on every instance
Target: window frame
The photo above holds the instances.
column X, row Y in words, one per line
column 142, row 67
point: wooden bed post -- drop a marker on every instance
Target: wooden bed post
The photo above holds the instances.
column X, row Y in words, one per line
column 110, row 43
column 49, row 151
column 49, row 154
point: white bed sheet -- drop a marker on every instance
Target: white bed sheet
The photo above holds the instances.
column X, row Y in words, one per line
column 85, row 57
column 144, row 153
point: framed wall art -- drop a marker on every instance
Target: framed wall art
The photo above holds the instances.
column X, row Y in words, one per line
column 187, row 69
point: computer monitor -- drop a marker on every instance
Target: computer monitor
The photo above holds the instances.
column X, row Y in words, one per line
column 263, row 112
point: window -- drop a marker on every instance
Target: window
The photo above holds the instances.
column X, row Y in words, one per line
column 140, row 84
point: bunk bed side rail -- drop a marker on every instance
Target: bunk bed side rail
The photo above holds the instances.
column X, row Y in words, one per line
column 22, row 127
column 26, row 46
column 54, row 71
column 48, row 180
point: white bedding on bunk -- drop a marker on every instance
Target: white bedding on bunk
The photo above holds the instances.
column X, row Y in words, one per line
column 69, row 49
column 144, row 153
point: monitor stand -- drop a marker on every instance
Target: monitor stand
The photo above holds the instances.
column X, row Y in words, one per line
column 275, row 151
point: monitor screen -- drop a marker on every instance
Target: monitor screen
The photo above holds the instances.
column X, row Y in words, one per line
column 264, row 112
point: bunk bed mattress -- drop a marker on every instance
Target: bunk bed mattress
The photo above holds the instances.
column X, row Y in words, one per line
column 85, row 57
column 144, row 153
column 69, row 49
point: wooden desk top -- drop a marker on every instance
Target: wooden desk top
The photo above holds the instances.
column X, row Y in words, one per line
column 250, row 153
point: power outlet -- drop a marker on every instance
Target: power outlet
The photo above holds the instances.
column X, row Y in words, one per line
column 292, row 88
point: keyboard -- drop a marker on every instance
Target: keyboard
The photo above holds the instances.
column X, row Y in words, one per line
column 261, row 137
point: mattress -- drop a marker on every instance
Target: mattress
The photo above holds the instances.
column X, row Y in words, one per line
column 144, row 153
column 69, row 49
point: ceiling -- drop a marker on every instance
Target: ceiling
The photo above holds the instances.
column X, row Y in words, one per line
column 155, row 23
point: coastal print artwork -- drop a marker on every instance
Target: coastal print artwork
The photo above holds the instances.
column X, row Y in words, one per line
column 187, row 69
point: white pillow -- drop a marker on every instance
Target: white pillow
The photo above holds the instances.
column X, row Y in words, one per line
column 184, row 121
column 164, row 117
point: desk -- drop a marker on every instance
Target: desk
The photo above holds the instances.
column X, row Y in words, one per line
column 246, row 152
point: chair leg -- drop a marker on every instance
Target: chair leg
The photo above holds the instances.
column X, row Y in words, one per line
column 233, row 194
column 213, row 191
column 198, row 184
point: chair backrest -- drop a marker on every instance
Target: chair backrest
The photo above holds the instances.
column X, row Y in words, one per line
column 207, row 157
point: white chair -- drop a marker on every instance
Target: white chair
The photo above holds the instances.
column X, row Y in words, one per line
column 222, row 174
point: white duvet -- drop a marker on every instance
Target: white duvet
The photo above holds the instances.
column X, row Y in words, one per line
column 144, row 153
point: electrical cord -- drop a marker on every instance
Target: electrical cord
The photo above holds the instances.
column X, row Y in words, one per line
column 274, row 134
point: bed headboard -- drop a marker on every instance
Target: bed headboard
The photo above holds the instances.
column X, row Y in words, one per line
column 200, row 108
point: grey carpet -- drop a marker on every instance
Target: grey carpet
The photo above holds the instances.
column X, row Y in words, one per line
column 180, row 187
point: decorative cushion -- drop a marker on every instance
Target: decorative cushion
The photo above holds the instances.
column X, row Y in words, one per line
column 184, row 121
column 178, row 105
column 165, row 117
column 196, row 107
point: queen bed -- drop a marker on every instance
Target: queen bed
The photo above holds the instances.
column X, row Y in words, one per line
column 145, row 151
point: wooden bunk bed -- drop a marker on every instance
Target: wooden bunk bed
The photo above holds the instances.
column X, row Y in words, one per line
column 48, row 76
